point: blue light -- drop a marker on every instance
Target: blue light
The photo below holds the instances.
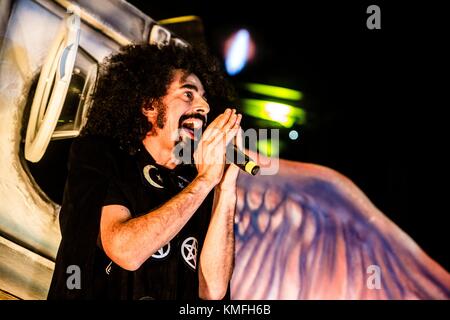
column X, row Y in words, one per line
column 238, row 52
column 293, row 135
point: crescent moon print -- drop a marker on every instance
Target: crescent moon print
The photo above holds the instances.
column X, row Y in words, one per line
column 147, row 176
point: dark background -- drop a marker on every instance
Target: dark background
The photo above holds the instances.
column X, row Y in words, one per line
column 371, row 95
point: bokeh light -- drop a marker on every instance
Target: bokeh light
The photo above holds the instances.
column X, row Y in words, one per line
column 239, row 49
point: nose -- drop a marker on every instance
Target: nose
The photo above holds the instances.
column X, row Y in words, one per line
column 201, row 106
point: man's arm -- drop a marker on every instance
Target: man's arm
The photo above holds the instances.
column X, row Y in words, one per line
column 129, row 242
column 217, row 256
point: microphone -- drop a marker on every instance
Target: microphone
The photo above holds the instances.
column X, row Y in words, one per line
column 240, row 159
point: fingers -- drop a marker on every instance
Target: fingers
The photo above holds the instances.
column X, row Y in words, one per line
column 213, row 144
column 222, row 125
column 228, row 132
column 233, row 131
column 217, row 124
column 223, row 121
column 239, row 140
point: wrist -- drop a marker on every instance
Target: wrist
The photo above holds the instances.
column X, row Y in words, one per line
column 205, row 180
column 226, row 188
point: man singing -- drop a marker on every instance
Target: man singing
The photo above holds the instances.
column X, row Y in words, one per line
column 135, row 222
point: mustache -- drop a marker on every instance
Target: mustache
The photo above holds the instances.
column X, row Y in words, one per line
column 193, row 115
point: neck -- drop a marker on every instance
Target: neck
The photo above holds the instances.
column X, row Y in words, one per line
column 161, row 153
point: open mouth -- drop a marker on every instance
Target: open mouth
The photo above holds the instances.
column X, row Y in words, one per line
column 191, row 126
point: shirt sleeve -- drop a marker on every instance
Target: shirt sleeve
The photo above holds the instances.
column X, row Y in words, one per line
column 115, row 194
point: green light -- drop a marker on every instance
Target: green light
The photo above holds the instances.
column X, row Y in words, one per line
column 269, row 148
column 274, row 91
column 284, row 114
column 277, row 112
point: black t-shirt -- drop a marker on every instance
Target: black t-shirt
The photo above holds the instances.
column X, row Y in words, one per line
column 101, row 174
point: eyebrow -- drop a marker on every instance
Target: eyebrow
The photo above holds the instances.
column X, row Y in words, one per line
column 189, row 86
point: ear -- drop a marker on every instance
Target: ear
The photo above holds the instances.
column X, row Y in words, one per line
column 149, row 110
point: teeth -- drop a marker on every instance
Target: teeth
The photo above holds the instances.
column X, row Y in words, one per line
column 194, row 123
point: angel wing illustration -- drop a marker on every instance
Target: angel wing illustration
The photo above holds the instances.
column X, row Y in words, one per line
column 310, row 233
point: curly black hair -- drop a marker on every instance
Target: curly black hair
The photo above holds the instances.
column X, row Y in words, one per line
column 141, row 72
